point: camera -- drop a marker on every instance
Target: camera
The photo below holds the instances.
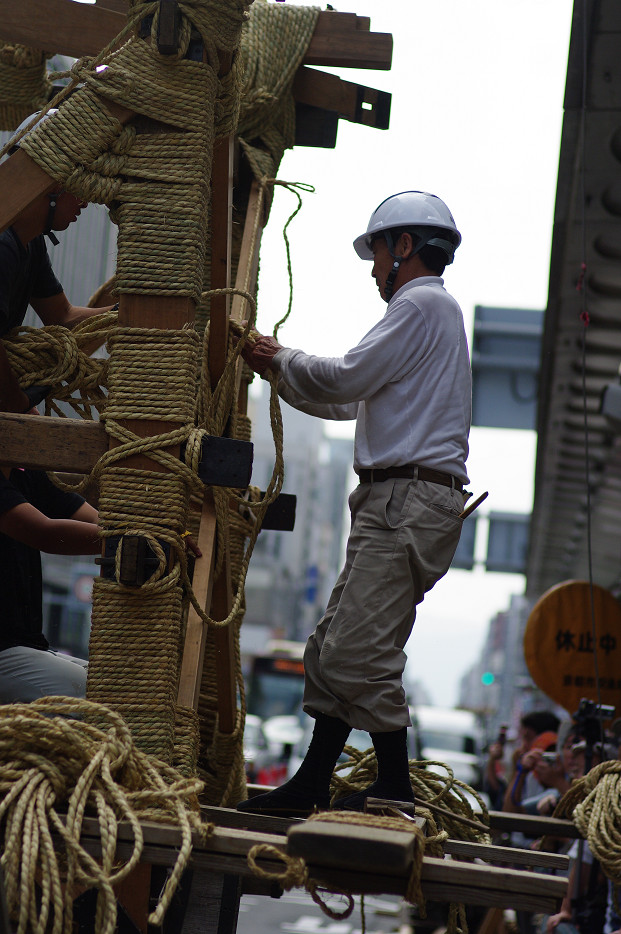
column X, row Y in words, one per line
column 550, row 757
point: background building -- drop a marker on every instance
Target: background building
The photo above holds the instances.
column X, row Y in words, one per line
column 292, row 573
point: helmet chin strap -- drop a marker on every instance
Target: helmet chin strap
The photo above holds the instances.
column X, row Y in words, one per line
column 397, row 260
column 389, row 285
column 53, row 198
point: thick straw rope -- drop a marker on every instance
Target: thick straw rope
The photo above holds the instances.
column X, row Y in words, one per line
column 446, row 797
column 24, row 83
column 141, row 178
column 61, row 759
column 450, row 816
column 157, row 185
column 594, row 805
column 296, row 874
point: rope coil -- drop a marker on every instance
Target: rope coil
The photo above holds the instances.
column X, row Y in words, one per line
column 62, row 759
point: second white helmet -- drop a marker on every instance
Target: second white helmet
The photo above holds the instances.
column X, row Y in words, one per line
column 412, row 209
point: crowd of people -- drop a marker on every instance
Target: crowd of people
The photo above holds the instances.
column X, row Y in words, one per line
column 548, row 756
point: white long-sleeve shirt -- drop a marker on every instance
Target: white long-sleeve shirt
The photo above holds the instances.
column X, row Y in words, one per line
column 407, row 383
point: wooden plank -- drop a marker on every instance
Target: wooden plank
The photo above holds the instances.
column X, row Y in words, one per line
column 241, row 820
column 61, row 26
column 225, row 840
column 365, row 883
column 247, row 272
column 133, row 893
column 202, row 584
column 221, row 226
column 354, row 102
column 248, row 264
column 339, row 42
column 531, row 826
column 224, row 644
column 508, row 881
column 22, row 181
column 443, row 880
column 84, row 29
column 493, row 922
column 213, row 906
column 334, row 844
column 506, row 854
column 119, row 5
column 221, row 213
column 68, row 444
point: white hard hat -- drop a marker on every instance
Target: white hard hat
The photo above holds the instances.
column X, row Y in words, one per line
column 412, row 209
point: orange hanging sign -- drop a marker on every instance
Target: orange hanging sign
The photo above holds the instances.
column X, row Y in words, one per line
column 560, row 645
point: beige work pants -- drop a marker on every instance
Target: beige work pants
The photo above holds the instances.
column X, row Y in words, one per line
column 402, row 540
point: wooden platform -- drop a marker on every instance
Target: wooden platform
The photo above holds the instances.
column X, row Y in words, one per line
column 354, row 858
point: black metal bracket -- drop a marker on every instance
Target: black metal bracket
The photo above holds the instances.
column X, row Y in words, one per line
column 280, row 515
column 138, row 561
column 373, row 107
column 225, row 462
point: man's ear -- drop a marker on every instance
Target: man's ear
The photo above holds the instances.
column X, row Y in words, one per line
column 405, row 245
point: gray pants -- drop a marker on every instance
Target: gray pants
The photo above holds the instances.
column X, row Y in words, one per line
column 403, row 537
column 27, row 674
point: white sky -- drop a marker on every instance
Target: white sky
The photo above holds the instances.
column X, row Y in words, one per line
column 477, row 90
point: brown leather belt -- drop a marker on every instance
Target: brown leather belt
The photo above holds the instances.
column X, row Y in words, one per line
column 408, row 472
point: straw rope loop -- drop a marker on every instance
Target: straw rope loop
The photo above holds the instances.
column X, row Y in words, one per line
column 61, row 758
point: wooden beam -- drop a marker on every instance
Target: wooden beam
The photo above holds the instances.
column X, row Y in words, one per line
column 343, row 40
column 334, row 844
column 77, row 29
column 202, row 584
column 66, row 444
column 506, row 854
column 69, row 28
column 221, row 210
column 224, row 643
column 248, row 265
column 531, row 826
column 354, row 102
column 119, row 5
column 442, row 879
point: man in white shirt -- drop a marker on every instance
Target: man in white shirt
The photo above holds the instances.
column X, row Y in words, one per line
column 408, row 385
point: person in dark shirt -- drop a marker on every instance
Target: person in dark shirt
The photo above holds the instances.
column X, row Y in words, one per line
column 36, row 516
column 27, row 278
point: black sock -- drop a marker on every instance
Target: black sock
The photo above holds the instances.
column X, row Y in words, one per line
column 393, row 767
column 309, row 788
column 393, row 772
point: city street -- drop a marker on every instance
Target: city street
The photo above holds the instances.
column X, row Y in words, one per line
column 296, row 913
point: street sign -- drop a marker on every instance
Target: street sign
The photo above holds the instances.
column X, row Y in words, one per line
column 563, row 639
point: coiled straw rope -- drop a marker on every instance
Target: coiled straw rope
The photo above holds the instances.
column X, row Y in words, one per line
column 445, row 798
column 60, row 760
column 593, row 803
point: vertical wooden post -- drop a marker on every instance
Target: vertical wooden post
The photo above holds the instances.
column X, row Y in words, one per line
column 221, row 601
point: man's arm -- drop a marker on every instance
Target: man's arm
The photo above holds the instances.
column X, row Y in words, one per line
column 12, row 398
column 86, row 513
column 57, row 309
column 75, row 536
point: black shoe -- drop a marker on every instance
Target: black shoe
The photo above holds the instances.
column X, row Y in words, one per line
column 286, row 801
